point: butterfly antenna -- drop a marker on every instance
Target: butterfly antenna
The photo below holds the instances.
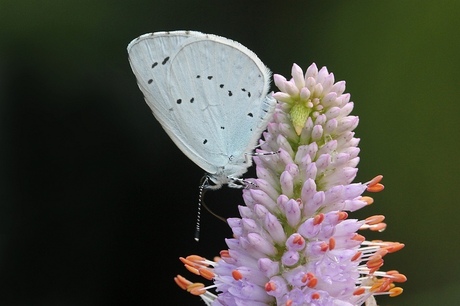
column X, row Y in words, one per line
column 203, row 189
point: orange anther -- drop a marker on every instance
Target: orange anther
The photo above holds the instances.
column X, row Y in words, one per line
column 315, row 296
column 182, row 282
column 375, row 188
column 289, row 303
column 196, row 258
column 270, row 286
column 375, row 287
column 237, row 275
column 312, row 282
column 394, row 247
column 358, row 237
column 318, row 219
column 359, row 291
column 331, row 243
column 192, row 269
column 395, row 291
column 375, row 180
column 381, row 252
column 356, row 256
column 225, row 254
column 299, row 240
column 196, row 289
column 307, row 276
column 382, row 285
column 206, row 273
column 324, row 247
column 373, row 260
column 188, row 262
column 374, row 219
column 398, row 278
column 378, row 227
column 342, row 215
column 368, row 200
column 386, row 285
column 375, row 265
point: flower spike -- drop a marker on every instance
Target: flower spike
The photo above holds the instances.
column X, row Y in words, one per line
column 294, row 243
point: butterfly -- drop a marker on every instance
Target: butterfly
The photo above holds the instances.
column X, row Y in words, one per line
column 210, row 95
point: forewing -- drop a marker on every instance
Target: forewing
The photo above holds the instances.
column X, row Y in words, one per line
column 206, row 91
column 150, row 57
column 219, row 87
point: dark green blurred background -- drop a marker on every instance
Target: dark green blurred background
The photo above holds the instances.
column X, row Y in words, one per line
column 97, row 203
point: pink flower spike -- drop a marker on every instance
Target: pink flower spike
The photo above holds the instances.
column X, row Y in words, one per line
column 294, row 243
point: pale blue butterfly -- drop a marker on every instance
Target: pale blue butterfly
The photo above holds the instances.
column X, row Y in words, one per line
column 210, row 94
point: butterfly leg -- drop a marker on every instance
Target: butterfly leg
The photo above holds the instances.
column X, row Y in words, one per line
column 248, row 156
column 235, row 182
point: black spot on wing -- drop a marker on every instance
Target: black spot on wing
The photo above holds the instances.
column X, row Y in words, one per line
column 209, row 77
column 205, row 141
column 179, row 101
column 154, row 65
column 198, row 76
column 150, row 81
column 230, row 93
column 192, row 99
column 244, row 90
column 165, row 60
column 221, row 85
column 250, row 115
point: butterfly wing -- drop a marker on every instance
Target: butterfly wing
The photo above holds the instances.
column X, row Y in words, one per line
column 149, row 57
column 208, row 93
